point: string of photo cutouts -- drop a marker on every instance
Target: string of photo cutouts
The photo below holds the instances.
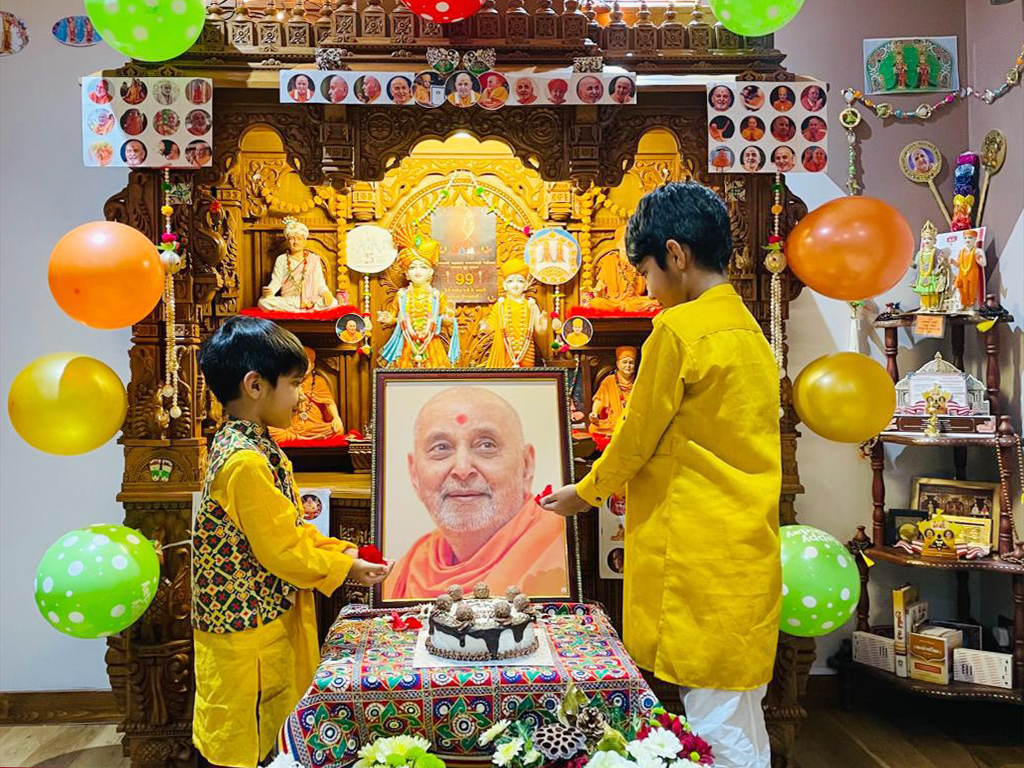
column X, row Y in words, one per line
column 851, row 117
column 173, row 263
column 775, row 262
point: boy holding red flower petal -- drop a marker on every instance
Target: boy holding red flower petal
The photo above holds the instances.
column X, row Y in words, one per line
column 255, row 562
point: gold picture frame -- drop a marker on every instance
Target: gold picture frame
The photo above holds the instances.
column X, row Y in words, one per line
column 959, row 500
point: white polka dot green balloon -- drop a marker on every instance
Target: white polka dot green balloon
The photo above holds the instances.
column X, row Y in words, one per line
column 754, row 18
column 820, row 582
column 97, row 580
column 148, row 30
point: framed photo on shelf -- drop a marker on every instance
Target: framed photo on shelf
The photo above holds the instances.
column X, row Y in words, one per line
column 959, row 500
column 895, row 519
column 460, row 457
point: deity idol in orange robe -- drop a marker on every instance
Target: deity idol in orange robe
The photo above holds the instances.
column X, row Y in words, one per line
column 419, row 311
column 620, row 287
column 318, row 417
column 970, row 279
column 610, row 400
column 472, row 469
column 514, row 320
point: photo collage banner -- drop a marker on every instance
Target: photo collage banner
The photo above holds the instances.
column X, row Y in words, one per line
column 767, row 127
column 429, row 88
column 147, row 122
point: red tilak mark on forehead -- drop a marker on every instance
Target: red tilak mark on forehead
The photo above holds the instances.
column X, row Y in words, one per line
column 461, row 418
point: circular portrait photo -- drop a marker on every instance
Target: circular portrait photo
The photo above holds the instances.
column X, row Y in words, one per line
column 334, row 89
column 752, row 97
column 589, row 89
column 494, row 90
column 462, row 89
column 617, row 505
column 168, row 149
column 301, row 88
column 783, row 98
column 198, row 153
column 813, row 98
column 133, row 153
column 814, row 159
column 197, row 122
column 367, row 89
column 525, row 89
column 400, row 90
column 622, row 89
column 134, row 122
column 428, row 88
column 311, row 507
column 101, row 121
column 557, row 89
column 101, row 92
column 617, row 560
column 101, row 152
column 720, row 98
column 577, row 332
column 165, row 92
column 722, row 158
column 783, row 129
column 198, row 91
column 133, row 91
column 350, row 328
column 752, row 159
column 920, row 161
column 721, row 128
column 784, row 159
column 813, row 128
column 752, row 128
column 166, row 122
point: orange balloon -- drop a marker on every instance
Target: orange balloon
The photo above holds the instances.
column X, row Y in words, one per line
column 106, row 275
column 853, row 248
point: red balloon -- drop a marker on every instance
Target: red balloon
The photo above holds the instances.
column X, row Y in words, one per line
column 444, row 11
column 106, row 275
column 853, row 248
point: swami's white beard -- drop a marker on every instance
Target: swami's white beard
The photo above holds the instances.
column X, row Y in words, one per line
column 490, row 512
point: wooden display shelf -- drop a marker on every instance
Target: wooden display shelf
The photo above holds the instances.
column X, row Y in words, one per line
column 899, row 557
column 955, row 690
column 944, row 441
column 908, row 319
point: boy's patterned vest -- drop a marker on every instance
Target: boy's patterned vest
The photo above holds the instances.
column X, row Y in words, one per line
column 231, row 590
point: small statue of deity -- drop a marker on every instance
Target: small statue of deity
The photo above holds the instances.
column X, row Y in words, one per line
column 924, row 74
column 515, row 320
column 932, row 282
column 612, row 395
column 318, row 417
column 620, row 287
column 899, row 68
column 419, row 311
column 970, row 277
column 298, row 282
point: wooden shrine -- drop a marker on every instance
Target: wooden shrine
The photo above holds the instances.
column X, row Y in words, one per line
column 334, row 167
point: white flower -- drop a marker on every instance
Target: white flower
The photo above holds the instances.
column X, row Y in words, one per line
column 507, row 752
column 531, row 757
column 402, row 745
column 493, row 732
column 375, row 752
column 608, row 760
column 648, row 760
column 662, row 743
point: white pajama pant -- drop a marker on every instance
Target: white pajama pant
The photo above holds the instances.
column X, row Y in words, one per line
column 732, row 722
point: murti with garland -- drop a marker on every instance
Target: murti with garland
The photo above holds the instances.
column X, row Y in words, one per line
column 419, row 311
column 298, row 283
column 613, row 394
column 318, row 417
column 619, row 286
column 932, row 280
column 514, row 320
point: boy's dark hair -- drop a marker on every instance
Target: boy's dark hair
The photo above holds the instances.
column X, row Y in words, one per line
column 687, row 212
column 244, row 344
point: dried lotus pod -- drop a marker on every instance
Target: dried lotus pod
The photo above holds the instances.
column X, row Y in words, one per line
column 559, row 742
column 521, row 603
column 444, row 602
column 481, row 591
column 463, row 612
column 455, row 593
column 502, row 610
column 511, row 592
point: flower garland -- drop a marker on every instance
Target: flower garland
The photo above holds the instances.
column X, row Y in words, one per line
column 173, row 263
column 775, row 262
column 588, row 200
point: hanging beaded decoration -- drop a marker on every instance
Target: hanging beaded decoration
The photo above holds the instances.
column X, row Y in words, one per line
column 775, row 262
column 173, row 263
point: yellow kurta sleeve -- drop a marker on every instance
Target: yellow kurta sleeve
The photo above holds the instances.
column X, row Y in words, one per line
column 299, row 554
column 656, row 397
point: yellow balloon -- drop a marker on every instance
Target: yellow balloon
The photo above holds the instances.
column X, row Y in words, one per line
column 66, row 403
column 846, row 397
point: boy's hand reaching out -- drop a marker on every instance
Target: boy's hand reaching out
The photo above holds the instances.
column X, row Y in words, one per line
column 367, row 573
column 565, row 501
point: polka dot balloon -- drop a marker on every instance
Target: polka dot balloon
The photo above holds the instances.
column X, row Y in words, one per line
column 444, row 11
column 97, row 580
column 753, row 18
column 148, row 30
column 820, row 582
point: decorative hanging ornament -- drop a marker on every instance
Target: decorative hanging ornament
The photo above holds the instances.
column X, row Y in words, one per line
column 444, row 11
column 775, row 262
column 173, row 263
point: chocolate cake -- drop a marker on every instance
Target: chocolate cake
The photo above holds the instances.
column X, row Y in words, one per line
column 481, row 627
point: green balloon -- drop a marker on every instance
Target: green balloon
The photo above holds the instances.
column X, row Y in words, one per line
column 96, row 581
column 148, row 30
column 820, row 582
column 754, row 18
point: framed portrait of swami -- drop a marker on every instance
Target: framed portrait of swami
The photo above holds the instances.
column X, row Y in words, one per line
column 460, row 457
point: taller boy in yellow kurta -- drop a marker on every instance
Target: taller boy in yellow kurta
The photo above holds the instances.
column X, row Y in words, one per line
column 698, row 453
column 254, row 560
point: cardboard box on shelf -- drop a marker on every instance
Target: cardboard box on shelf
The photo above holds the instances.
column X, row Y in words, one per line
column 930, row 653
column 982, row 667
column 907, row 613
column 874, row 650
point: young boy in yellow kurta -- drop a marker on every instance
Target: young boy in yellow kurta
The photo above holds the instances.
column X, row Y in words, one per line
column 254, row 562
column 699, row 455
